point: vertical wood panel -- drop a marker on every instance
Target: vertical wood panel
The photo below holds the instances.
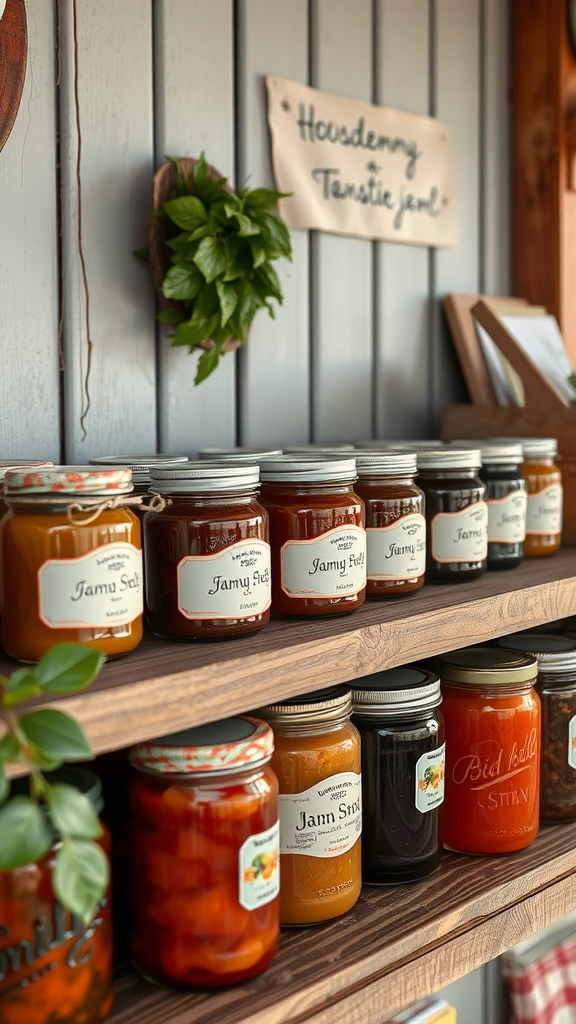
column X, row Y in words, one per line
column 402, row 302
column 342, row 267
column 497, row 127
column 115, row 96
column 274, row 366
column 29, row 409
column 194, row 111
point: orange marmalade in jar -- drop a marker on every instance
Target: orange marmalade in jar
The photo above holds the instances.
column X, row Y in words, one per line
column 544, row 489
column 71, row 565
column 204, row 855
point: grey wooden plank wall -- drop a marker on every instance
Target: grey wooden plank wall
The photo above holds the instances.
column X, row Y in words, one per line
column 360, row 346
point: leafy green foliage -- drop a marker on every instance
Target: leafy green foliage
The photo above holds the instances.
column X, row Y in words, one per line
column 80, row 876
column 26, row 833
column 221, row 270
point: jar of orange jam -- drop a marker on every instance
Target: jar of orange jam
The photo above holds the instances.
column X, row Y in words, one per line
column 204, row 855
column 317, row 535
column 492, row 717
column 545, row 495
column 317, row 761
column 71, row 565
column 53, row 968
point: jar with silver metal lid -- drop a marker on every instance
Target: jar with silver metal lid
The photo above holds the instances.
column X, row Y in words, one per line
column 556, row 687
column 140, row 466
column 207, row 552
column 238, row 454
column 402, row 735
column 545, row 494
column 318, row 449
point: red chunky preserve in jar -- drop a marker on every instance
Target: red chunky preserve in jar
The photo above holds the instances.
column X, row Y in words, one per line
column 53, row 968
column 204, row 851
column 317, row 535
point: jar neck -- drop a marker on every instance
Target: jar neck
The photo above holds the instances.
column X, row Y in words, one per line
column 307, row 489
column 381, row 479
column 224, row 497
column 491, row 692
column 293, row 728
column 539, row 460
column 448, row 474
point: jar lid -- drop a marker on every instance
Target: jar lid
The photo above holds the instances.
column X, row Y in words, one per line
column 547, row 447
column 318, row 449
column 397, row 690
column 223, row 746
column 139, row 464
column 410, row 444
column 200, row 477
column 494, row 453
column 555, row 653
column 447, row 457
column 389, row 463
column 312, row 469
column 68, row 480
column 479, row 666
column 6, row 464
column 238, row 454
column 324, row 705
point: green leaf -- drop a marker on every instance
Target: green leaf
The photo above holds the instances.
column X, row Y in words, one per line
column 211, row 258
column 275, row 235
column 142, row 254
column 258, row 249
column 180, row 243
column 72, row 813
column 262, row 198
column 21, row 685
column 26, row 833
column 228, row 300
column 187, row 212
column 181, row 282
column 4, row 784
column 207, row 364
column 56, row 735
column 68, row 668
column 9, row 748
column 201, row 173
column 170, row 316
column 80, row 876
column 267, row 283
column 195, row 331
column 202, row 232
column 246, row 226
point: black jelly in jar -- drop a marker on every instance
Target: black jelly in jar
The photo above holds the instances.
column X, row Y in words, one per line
column 402, row 735
column 456, row 514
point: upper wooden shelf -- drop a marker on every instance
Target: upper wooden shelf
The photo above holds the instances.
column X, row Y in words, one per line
column 163, row 687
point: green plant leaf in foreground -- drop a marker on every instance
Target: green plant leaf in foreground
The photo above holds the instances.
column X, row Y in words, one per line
column 72, row 813
column 187, row 212
column 55, row 735
column 22, row 684
column 68, row 668
column 207, row 363
column 26, row 834
column 4, row 784
column 9, row 748
column 80, row 876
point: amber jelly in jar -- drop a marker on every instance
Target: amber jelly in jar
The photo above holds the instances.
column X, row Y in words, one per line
column 545, row 495
column 456, row 514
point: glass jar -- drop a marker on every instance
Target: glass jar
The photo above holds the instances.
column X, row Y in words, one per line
column 53, row 967
column 317, row 761
column 238, row 454
column 492, row 717
column 204, row 855
column 545, row 495
column 317, row 535
column 5, row 465
column 403, row 754
column 139, row 466
column 556, row 687
column 456, row 514
column 207, row 553
column 71, row 565
column 395, row 523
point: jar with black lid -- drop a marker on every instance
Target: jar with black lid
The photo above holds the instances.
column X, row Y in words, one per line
column 556, row 687
column 456, row 514
column 402, row 735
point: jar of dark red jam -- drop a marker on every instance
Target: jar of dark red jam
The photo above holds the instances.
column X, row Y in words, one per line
column 204, row 851
column 207, row 553
column 456, row 514
column 140, row 466
column 395, row 523
column 402, row 742
column 317, row 535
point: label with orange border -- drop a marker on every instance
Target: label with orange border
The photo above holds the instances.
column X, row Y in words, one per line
column 98, row 590
column 460, row 536
column 544, row 512
column 507, row 518
column 331, row 565
column 232, row 584
column 397, row 551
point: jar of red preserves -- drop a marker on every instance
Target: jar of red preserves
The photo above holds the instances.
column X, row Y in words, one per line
column 204, row 848
column 53, row 968
column 492, row 718
column 207, row 553
column 317, row 535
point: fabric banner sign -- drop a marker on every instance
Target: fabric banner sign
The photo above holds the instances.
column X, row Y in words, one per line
column 358, row 169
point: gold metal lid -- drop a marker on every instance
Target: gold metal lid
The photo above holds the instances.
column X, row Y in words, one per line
column 481, row 666
column 329, row 704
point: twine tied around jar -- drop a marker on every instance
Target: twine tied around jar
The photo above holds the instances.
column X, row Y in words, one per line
column 95, row 508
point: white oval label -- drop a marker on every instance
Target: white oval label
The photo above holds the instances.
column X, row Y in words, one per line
column 544, row 513
column 572, row 742
column 507, row 519
column 324, row 820
column 461, row 536
column 397, row 551
column 430, row 779
column 331, row 565
column 232, row 584
column 258, row 869
column 100, row 589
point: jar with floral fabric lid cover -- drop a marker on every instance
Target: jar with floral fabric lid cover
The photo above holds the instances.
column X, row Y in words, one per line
column 6, row 464
column 71, row 565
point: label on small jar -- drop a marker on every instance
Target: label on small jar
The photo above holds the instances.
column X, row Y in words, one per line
column 430, row 779
column 323, row 821
column 572, row 742
column 331, row 565
column 232, row 584
column 397, row 551
column 258, row 869
column 507, row 519
column 461, row 536
column 544, row 512
column 100, row 589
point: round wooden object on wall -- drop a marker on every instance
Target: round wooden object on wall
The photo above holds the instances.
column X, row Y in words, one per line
column 13, row 50
column 164, row 187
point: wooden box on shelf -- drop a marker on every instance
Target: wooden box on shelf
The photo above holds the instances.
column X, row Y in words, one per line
column 545, row 413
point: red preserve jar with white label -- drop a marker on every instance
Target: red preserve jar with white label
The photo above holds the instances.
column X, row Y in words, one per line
column 207, row 552
column 71, row 564
column 317, row 535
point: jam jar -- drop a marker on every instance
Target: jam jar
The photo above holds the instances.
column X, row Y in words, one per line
column 71, row 565
column 506, row 500
column 140, row 466
column 7, row 464
column 54, row 968
column 238, row 454
column 317, row 761
column 318, row 449
column 544, row 487
column 492, row 717
column 204, row 855
column 317, row 535
column 403, row 754
column 456, row 514
column 395, row 523
column 556, row 687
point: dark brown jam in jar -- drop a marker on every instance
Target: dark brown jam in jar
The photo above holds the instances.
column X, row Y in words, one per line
column 317, row 535
column 456, row 514
column 395, row 523
column 207, row 553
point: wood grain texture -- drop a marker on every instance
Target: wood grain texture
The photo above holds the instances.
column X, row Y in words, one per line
column 364, row 966
column 166, row 686
column 13, row 52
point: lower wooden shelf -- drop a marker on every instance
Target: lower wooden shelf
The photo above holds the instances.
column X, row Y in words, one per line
column 397, row 945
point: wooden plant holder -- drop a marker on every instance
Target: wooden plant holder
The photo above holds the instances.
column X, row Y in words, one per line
column 545, row 414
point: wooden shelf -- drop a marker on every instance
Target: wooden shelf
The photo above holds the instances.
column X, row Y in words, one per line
column 397, row 945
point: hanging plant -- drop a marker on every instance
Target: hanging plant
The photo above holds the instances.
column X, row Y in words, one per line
column 215, row 272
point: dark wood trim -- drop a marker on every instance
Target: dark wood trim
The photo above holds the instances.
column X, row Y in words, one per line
column 13, row 51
